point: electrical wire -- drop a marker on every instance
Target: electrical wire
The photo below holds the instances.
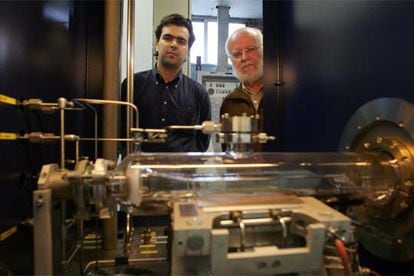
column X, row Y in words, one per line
column 343, row 255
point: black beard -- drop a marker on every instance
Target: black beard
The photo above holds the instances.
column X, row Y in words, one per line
column 170, row 66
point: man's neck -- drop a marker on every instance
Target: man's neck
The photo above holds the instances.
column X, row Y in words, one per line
column 167, row 74
column 254, row 87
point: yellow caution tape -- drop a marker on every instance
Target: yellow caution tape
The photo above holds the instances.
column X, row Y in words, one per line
column 92, row 236
column 7, row 100
column 8, row 233
column 149, row 252
column 146, row 245
column 8, row 136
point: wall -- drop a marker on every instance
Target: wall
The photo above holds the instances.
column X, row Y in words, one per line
column 336, row 56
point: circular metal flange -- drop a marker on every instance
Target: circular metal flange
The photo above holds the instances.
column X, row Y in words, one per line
column 386, row 126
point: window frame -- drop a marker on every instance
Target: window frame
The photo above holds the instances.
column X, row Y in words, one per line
column 205, row 20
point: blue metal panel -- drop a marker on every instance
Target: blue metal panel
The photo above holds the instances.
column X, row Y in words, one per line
column 334, row 57
column 338, row 55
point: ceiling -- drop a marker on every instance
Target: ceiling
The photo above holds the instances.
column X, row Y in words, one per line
column 238, row 8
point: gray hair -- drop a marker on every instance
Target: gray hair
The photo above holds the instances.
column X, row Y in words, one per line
column 253, row 32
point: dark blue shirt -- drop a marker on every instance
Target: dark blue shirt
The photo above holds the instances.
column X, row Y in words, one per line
column 182, row 101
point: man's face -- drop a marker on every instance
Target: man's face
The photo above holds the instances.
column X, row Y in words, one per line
column 247, row 58
column 173, row 46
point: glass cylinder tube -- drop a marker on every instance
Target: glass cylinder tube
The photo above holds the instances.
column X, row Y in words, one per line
column 166, row 175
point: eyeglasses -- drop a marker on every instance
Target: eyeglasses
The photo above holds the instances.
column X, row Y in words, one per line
column 248, row 51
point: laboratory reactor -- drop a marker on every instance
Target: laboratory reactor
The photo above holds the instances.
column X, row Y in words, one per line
column 232, row 212
column 332, row 192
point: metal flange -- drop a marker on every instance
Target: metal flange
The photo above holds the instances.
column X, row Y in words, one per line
column 386, row 127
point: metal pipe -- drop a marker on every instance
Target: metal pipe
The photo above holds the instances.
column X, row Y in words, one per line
column 62, row 105
column 108, row 139
column 89, row 267
column 42, row 231
column 99, row 101
column 86, row 105
column 113, row 24
column 129, row 106
column 63, row 231
column 79, row 224
column 130, row 67
column 77, row 151
column 223, row 18
column 128, row 234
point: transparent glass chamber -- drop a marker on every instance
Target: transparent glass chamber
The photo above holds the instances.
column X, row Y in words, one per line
column 163, row 176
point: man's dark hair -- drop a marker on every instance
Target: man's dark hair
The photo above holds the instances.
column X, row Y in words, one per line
column 178, row 20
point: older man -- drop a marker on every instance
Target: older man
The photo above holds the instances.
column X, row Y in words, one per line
column 245, row 50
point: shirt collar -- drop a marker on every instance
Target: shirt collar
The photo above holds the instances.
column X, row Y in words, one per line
column 158, row 77
column 246, row 90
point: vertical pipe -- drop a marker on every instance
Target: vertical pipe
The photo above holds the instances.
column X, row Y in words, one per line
column 205, row 42
column 128, row 234
column 79, row 224
column 42, row 231
column 113, row 25
column 76, row 151
column 130, row 67
column 63, row 263
column 62, row 105
column 111, row 89
column 223, row 19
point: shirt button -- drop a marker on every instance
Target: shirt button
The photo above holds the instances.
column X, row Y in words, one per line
column 156, row 82
column 176, row 86
column 166, row 86
column 163, row 119
column 165, row 102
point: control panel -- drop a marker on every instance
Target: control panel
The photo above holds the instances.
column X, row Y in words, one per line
column 218, row 86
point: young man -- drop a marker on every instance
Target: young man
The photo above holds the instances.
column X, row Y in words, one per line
column 165, row 96
column 245, row 49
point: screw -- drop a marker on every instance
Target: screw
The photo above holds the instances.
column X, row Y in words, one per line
column 275, row 263
column 39, row 202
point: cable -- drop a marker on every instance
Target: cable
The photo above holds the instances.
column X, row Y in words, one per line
column 343, row 255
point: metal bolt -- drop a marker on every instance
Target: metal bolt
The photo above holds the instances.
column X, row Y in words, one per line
column 39, row 202
column 261, row 265
column 404, row 205
column 275, row 263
